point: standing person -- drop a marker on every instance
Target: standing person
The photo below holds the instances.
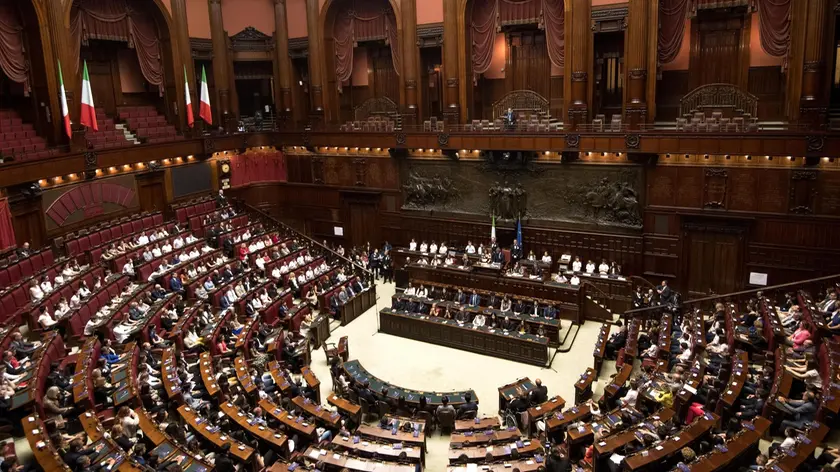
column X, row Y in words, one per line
column 387, row 267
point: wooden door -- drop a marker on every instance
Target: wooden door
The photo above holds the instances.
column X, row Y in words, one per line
column 713, row 258
column 718, row 40
column 151, row 191
column 102, row 85
column 361, row 218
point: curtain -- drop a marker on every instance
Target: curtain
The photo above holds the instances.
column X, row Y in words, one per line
column 774, row 26
column 488, row 16
column 483, row 25
column 554, row 21
column 116, row 20
column 12, row 50
column 363, row 21
column 7, row 230
column 267, row 166
column 672, row 15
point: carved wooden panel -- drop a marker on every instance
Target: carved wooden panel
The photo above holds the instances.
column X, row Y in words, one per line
column 803, row 191
column 772, row 191
column 661, row 185
column 828, row 203
column 715, row 188
column 743, row 188
column 689, row 191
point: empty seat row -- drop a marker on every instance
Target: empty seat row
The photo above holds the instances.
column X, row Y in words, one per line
column 78, row 245
column 183, row 213
column 33, row 264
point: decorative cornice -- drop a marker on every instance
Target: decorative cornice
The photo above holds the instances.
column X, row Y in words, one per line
column 252, row 39
column 430, row 35
column 299, row 47
column 201, row 48
column 613, row 12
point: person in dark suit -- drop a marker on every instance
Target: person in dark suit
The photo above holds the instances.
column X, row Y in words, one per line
column 664, row 292
column 515, row 251
column 475, row 300
column 227, row 274
column 493, row 302
column 227, row 247
column 550, row 312
column 616, row 341
column 518, row 306
column 509, row 324
column 469, row 405
column 175, row 284
column 498, row 256
column 510, row 119
column 460, row 297
column 158, row 293
column 539, row 394
column 802, row 411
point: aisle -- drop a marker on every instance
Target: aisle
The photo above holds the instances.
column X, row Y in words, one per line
column 423, row 366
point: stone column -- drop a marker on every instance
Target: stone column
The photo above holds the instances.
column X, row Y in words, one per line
column 812, row 107
column 316, row 61
column 284, row 63
column 636, row 62
column 410, row 60
column 451, row 62
column 221, row 116
column 578, row 61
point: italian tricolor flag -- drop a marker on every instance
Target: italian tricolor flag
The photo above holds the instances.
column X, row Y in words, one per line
column 190, row 118
column 63, row 96
column 204, row 109
column 88, row 114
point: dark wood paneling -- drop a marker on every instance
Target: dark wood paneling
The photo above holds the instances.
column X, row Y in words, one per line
column 669, row 90
column 151, row 191
column 768, row 85
column 28, row 221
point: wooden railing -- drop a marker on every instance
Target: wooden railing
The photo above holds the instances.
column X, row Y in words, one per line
column 381, row 106
column 719, row 97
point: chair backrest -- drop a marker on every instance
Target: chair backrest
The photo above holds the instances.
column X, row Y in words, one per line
column 383, row 408
column 446, row 419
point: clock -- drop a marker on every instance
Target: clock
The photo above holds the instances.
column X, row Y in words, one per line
column 225, row 167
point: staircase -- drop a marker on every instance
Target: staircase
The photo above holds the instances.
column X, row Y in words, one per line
column 19, row 141
column 146, row 125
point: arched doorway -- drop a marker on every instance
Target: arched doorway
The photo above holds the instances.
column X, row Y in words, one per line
column 363, row 58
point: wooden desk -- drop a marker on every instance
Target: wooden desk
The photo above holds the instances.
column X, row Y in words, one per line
column 631, row 348
column 166, row 448
column 509, row 392
column 583, row 387
column 208, row 375
column 569, row 298
column 168, row 369
column 93, row 429
column 292, row 421
column 499, row 451
column 39, row 441
column 601, row 347
column 740, row 371
column 524, row 465
column 265, row 433
column 311, row 381
column 243, row 375
column 387, row 451
column 346, row 406
column 551, row 405
column 356, row 306
column 612, row 389
column 341, row 460
column 526, row 348
column 489, row 436
column 332, row 420
column 559, row 420
column 199, row 424
column 358, row 373
column 388, row 435
column 744, row 442
column 607, row 445
column 477, row 424
column 803, row 451
column 699, row 428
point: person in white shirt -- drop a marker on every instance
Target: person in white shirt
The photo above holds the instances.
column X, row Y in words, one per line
column 576, row 265
column 142, row 240
column 443, row 249
column 604, row 268
column 75, row 301
column 147, row 255
column 309, row 273
column 252, row 248
column 629, row 398
column 194, row 254
column 433, row 248
column 410, row 291
column 470, row 249
column 412, row 246
column 156, row 251
column 191, row 272
column 284, row 269
column 62, row 308
column 340, row 276
column 546, row 258
column 68, row 271
column 84, row 291
column 184, row 257
column 300, row 261
column 256, row 303
column 190, row 239
column 45, row 320
column 35, row 292
column 58, row 280
column 178, row 243
column 685, row 355
column 46, row 285
column 479, row 320
column 590, row 267
column 307, row 258
column 128, row 268
column 575, row 280
column 260, row 263
column 264, row 298
column 422, row 292
column 424, row 247
column 246, row 235
column 167, row 248
column 560, row 278
column 231, row 295
column 276, row 274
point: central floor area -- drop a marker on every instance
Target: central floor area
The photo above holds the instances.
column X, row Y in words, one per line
column 423, row 366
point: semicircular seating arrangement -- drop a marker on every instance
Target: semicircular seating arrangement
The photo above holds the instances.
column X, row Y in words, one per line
column 187, row 344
